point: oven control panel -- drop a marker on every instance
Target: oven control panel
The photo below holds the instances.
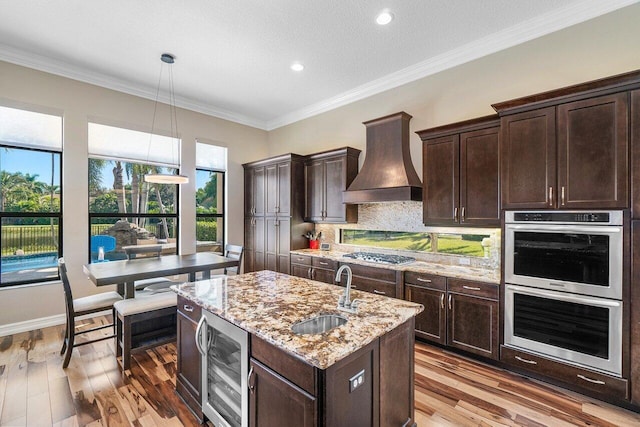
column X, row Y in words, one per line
column 562, row 217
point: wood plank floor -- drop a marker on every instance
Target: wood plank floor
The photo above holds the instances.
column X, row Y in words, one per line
column 92, row 391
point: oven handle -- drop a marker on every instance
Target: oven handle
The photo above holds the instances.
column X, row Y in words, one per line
column 541, row 228
column 565, row 297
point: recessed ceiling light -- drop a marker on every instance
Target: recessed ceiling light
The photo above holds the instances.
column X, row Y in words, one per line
column 296, row 66
column 384, row 17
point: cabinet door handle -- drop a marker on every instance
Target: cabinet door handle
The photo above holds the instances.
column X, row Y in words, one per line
column 375, row 291
column 462, row 214
column 455, row 214
column 188, row 308
column 420, row 279
column 562, row 195
column 450, row 302
column 442, row 301
column 323, row 263
column 309, row 273
column 582, row 377
column 250, row 383
column 354, row 287
column 201, row 324
column 300, row 259
column 471, row 288
column 530, row 362
column 551, row 196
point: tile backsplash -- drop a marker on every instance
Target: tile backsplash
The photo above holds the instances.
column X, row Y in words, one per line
column 407, row 216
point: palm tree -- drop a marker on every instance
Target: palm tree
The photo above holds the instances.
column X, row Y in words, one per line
column 118, row 186
column 11, row 186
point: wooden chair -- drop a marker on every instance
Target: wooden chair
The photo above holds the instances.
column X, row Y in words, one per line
column 80, row 307
column 147, row 251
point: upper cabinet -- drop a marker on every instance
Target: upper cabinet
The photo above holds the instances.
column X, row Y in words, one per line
column 568, row 148
column 461, row 173
column 327, row 175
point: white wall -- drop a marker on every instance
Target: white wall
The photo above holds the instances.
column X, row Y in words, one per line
column 80, row 103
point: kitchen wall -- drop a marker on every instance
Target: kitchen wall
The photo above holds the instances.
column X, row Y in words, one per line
column 79, row 103
column 595, row 49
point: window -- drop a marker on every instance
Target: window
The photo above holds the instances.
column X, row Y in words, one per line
column 30, row 194
column 445, row 243
column 124, row 210
column 211, row 164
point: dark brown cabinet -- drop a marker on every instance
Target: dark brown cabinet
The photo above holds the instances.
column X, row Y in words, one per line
column 314, row 268
column 379, row 281
column 461, row 173
column 458, row 313
column 188, row 366
column 274, row 203
column 274, row 401
column 327, row 175
column 569, row 155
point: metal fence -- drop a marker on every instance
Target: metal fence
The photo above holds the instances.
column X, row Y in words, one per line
column 29, row 239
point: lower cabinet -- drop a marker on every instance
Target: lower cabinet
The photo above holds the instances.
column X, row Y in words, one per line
column 379, row 281
column 590, row 382
column 188, row 366
column 458, row 313
column 275, row 401
column 314, row 268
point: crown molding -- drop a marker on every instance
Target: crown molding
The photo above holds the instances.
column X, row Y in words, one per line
column 57, row 67
column 522, row 32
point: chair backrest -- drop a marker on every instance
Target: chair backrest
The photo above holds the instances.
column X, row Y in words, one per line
column 62, row 268
column 143, row 251
column 108, row 243
column 234, row 252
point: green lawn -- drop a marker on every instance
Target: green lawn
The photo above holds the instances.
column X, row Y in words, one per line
column 447, row 243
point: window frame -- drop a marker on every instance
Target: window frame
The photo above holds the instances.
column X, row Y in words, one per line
column 58, row 215
column 224, row 206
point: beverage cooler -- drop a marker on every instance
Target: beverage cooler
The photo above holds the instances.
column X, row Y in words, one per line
column 224, row 350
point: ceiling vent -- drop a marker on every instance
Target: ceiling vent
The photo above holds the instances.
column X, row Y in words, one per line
column 387, row 174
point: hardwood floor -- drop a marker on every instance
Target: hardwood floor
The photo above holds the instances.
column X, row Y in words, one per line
column 92, row 391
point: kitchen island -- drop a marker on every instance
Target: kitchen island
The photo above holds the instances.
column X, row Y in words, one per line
column 302, row 380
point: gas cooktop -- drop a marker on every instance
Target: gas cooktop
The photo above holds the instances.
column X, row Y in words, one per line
column 380, row 258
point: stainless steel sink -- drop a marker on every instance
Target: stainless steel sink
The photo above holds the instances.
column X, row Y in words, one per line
column 318, row 324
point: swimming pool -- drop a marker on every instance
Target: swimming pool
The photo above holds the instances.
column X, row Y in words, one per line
column 27, row 262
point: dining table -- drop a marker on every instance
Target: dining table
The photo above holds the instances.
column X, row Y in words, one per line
column 125, row 272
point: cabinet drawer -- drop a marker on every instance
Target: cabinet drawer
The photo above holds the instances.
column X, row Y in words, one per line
column 476, row 289
column 189, row 309
column 380, row 274
column 582, row 378
column 425, row 280
column 327, row 263
column 301, row 259
column 374, row 286
column 297, row 371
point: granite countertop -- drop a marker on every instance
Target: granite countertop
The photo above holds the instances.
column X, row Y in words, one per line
column 267, row 304
column 454, row 271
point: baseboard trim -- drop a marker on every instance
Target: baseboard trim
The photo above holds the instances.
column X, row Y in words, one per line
column 41, row 322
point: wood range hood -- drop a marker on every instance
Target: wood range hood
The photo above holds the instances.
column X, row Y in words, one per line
column 387, row 174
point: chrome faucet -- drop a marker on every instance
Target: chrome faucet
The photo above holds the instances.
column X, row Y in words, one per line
column 345, row 303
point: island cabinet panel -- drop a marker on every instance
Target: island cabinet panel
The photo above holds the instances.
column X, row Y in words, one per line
column 274, row 208
column 188, row 366
column 274, row 401
column 327, row 175
column 461, row 173
column 380, row 281
column 568, row 156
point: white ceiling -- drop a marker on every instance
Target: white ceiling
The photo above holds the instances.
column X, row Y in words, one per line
column 233, row 56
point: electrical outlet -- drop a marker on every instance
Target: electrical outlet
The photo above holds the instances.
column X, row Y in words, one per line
column 356, row 381
column 464, row 261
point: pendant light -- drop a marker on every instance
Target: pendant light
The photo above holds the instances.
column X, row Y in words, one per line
column 166, row 178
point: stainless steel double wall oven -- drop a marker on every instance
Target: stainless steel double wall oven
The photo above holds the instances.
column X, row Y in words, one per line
column 563, row 294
